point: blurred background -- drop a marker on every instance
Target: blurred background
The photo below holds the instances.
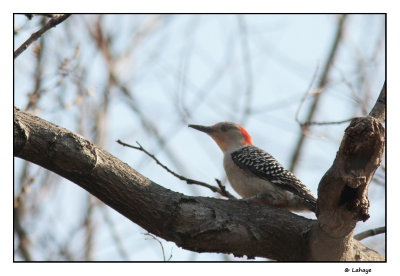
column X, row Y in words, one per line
column 146, row 77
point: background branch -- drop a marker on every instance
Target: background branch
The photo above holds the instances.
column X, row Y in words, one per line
column 52, row 23
column 370, row 233
column 321, row 85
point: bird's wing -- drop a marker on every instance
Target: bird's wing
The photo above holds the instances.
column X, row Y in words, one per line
column 265, row 166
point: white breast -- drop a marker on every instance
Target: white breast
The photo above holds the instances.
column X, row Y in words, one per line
column 245, row 183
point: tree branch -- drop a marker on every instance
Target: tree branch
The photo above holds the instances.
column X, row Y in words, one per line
column 221, row 190
column 379, row 109
column 370, row 233
column 343, row 190
column 199, row 224
column 52, row 23
column 321, row 84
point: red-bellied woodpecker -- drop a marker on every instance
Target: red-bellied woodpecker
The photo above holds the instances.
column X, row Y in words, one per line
column 254, row 173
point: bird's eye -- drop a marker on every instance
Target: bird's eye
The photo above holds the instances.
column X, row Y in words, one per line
column 224, row 128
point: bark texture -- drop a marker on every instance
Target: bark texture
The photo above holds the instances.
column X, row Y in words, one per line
column 343, row 190
column 204, row 224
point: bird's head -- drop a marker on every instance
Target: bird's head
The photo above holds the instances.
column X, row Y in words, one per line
column 227, row 135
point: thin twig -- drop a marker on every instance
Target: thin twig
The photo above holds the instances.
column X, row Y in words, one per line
column 326, row 123
column 162, row 247
column 103, row 43
column 221, row 190
column 304, row 125
column 321, row 84
column 247, row 68
column 308, row 92
column 24, row 241
column 89, row 228
column 52, row 23
column 37, row 92
column 370, row 233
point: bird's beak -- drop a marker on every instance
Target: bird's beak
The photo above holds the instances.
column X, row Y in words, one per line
column 206, row 129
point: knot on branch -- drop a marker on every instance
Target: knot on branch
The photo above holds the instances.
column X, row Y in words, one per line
column 360, row 155
column 343, row 191
column 361, row 145
column 73, row 153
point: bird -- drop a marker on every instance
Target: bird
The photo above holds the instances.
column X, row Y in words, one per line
column 254, row 173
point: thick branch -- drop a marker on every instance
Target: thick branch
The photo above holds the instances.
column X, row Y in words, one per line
column 343, row 191
column 196, row 223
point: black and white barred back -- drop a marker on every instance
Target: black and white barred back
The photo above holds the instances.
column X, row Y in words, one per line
column 265, row 166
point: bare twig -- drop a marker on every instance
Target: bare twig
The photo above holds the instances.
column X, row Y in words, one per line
column 52, row 23
column 304, row 125
column 24, row 242
column 37, row 91
column 321, row 84
column 25, row 190
column 104, row 45
column 370, row 233
column 221, row 190
column 326, row 123
column 89, row 228
column 162, row 247
column 247, row 67
column 308, row 92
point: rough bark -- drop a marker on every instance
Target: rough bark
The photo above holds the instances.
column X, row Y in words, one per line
column 204, row 224
column 343, row 190
column 196, row 223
